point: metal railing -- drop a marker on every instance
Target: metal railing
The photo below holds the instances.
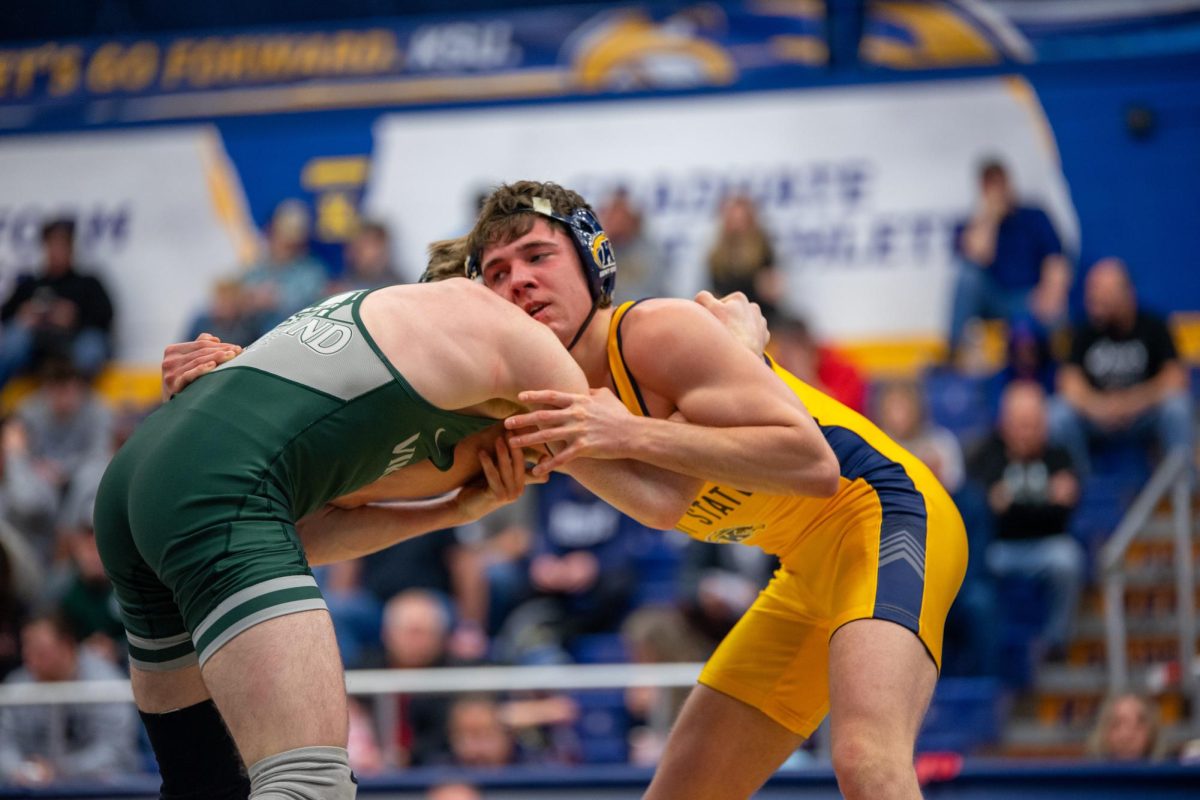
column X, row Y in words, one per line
column 379, row 685
column 446, row 680
column 1173, row 476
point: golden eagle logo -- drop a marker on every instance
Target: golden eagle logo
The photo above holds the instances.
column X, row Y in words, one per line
column 734, row 535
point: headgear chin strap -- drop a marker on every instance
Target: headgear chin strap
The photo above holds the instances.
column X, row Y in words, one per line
column 591, row 243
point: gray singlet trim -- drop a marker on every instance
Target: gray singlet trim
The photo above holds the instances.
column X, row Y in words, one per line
column 281, row 610
column 165, row 666
column 249, row 593
column 157, row 644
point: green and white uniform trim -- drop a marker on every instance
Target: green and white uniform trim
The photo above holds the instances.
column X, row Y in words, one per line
column 195, row 518
column 171, row 652
column 262, row 601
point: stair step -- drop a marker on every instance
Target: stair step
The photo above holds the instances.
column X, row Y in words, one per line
column 1054, row 718
column 1161, row 527
column 1146, row 576
column 1065, row 679
column 1091, row 626
column 1140, row 651
column 1143, row 595
column 1079, row 710
column 1028, row 736
column 1031, row 733
column 1157, row 550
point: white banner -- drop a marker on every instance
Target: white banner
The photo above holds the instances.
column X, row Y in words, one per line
column 160, row 214
column 860, row 187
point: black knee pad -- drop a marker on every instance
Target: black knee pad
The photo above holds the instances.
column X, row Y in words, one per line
column 196, row 755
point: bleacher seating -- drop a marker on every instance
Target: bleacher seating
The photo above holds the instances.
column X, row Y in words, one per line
column 963, row 717
column 602, row 726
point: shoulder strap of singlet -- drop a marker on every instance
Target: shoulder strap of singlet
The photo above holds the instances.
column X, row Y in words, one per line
column 627, row 388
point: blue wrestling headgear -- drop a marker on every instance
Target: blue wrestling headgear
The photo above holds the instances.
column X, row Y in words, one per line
column 590, row 240
column 592, row 245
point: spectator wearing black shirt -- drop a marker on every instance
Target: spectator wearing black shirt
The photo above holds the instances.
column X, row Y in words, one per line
column 59, row 313
column 1031, row 490
column 1123, row 377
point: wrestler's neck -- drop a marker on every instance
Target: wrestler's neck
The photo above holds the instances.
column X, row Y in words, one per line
column 591, row 351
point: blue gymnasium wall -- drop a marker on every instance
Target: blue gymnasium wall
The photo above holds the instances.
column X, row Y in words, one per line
column 1137, row 198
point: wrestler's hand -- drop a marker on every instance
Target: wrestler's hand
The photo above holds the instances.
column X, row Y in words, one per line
column 594, row 425
column 504, row 480
column 740, row 317
column 183, row 362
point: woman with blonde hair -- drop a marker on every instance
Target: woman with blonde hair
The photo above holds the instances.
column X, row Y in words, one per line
column 742, row 259
column 1127, row 729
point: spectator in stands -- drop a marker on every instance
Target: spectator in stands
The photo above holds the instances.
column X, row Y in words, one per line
column 416, row 627
column 28, row 498
column 40, row 744
column 718, row 584
column 60, row 313
column 290, row 277
column 581, row 575
column 438, row 562
column 368, row 260
column 20, row 589
column 477, row 734
column 66, row 423
column 81, row 588
column 1031, row 489
column 655, row 635
column 1028, row 359
column 485, row 732
column 362, row 744
column 901, row 414
column 453, row 791
column 797, row 351
column 502, row 541
column 742, row 258
column 228, row 316
column 1126, row 730
column 416, row 633
column 1124, row 377
column 642, row 268
column 356, row 613
column 1014, row 266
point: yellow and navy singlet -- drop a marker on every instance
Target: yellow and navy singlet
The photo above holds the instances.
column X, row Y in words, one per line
column 884, row 491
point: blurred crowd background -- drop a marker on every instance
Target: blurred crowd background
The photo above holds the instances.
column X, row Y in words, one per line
column 1045, row 360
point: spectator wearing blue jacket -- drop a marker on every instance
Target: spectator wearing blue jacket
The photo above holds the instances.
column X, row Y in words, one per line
column 1012, row 261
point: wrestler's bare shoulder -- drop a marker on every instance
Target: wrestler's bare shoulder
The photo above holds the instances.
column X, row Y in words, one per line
column 451, row 340
column 665, row 318
column 443, row 302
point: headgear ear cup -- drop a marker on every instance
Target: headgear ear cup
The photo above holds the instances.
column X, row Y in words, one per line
column 595, row 252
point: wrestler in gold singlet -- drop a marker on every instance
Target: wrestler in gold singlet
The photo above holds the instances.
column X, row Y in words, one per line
column 889, row 544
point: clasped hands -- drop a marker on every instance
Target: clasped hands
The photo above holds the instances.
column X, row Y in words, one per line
column 570, row 426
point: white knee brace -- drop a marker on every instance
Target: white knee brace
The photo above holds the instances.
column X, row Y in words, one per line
column 306, row 773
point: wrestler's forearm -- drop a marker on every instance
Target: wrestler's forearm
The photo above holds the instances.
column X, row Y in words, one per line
column 334, row 534
column 774, row 459
column 653, row 496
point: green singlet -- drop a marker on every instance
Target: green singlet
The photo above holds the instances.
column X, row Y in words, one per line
column 195, row 518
